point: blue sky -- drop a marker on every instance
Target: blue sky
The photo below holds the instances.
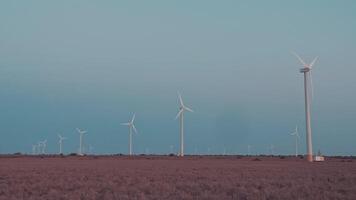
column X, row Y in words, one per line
column 92, row 64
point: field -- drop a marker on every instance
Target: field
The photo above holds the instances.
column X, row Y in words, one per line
column 164, row 177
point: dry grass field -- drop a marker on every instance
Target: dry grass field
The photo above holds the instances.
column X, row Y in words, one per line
column 164, row 177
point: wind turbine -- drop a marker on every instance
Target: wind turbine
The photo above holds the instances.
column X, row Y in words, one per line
column 180, row 114
column 171, row 148
column 91, row 149
column 131, row 127
column 81, row 134
column 271, row 149
column 297, row 137
column 61, row 138
column 34, row 147
column 308, row 88
column 39, row 147
column 43, row 144
column 249, row 150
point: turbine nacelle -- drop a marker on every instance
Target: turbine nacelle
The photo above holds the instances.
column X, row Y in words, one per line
column 307, row 71
column 81, row 131
column 304, row 70
column 306, row 67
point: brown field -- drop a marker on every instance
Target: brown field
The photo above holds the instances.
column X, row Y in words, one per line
column 140, row 177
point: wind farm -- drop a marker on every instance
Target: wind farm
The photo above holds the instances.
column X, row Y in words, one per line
column 177, row 100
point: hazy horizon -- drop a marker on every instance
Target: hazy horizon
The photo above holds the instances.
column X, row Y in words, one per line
column 91, row 65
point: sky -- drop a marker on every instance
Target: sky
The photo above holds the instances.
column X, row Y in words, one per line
column 92, row 64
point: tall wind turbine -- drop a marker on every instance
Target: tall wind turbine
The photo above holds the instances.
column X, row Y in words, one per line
column 308, row 92
column 61, row 138
column 297, row 137
column 81, row 134
column 131, row 127
column 180, row 114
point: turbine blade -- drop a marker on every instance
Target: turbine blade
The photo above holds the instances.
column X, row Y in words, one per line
column 133, row 118
column 313, row 62
column 134, row 128
column 125, row 124
column 179, row 113
column 299, row 58
column 190, row 110
column 180, row 99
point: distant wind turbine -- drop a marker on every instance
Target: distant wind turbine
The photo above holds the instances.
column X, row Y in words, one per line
column 249, row 149
column 90, row 149
column 39, row 148
column 272, row 149
column 180, row 114
column 81, row 134
column 42, row 144
column 131, row 126
column 61, row 138
column 308, row 88
column 297, row 137
column 34, row 148
column 224, row 151
column 171, row 149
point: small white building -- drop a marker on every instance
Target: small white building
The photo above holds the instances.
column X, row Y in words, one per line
column 319, row 158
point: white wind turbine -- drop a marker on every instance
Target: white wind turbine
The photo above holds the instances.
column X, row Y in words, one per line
column 180, row 114
column 39, row 147
column 308, row 92
column 297, row 137
column 43, row 144
column 60, row 142
column 271, row 148
column 248, row 149
column 81, row 134
column 34, row 147
column 131, row 127
column 171, row 147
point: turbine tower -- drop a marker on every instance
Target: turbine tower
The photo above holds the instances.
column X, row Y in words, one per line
column 296, row 135
column 180, row 114
column 81, row 134
column 131, row 127
column 60, row 143
column 308, row 92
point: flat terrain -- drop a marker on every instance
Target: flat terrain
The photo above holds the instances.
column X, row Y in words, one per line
column 121, row 177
